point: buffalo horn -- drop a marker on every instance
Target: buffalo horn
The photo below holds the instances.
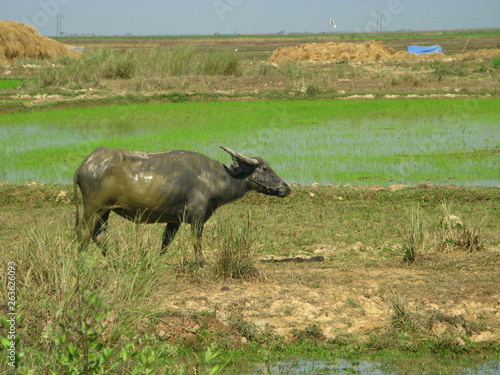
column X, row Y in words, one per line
column 240, row 158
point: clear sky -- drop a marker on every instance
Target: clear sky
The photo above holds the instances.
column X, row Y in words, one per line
column 153, row 17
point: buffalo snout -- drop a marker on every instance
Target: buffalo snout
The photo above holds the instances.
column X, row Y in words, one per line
column 284, row 190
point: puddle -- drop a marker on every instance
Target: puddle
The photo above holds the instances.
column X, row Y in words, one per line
column 342, row 366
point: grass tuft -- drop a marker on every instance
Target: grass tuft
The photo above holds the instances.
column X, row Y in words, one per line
column 415, row 238
column 401, row 318
column 236, row 255
column 457, row 234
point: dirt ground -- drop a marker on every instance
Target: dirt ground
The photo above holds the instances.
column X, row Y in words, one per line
column 354, row 294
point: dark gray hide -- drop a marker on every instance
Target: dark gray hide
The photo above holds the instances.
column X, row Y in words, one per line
column 164, row 187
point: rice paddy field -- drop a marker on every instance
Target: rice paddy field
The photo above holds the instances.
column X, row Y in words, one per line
column 366, row 142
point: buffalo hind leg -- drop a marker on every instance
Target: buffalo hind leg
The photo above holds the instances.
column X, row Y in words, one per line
column 92, row 227
column 98, row 234
column 168, row 235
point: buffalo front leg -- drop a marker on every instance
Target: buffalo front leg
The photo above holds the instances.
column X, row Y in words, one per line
column 198, row 253
column 168, row 235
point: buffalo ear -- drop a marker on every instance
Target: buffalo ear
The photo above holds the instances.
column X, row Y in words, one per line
column 239, row 159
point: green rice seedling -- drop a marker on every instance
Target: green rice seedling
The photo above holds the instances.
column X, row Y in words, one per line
column 370, row 142
column 10, row 83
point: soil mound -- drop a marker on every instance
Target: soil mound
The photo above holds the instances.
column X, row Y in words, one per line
column 366, row 51
column 21, row 40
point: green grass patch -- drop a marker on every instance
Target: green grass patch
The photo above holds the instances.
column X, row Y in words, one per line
column 10, row 83
column 369, row 142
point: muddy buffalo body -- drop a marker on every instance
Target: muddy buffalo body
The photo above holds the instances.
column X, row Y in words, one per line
column 169, row 187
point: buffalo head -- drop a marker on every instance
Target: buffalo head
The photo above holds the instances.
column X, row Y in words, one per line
column 258, row 172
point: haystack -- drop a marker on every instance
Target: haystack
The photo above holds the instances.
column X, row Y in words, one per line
column 333, row 51
column 21, row 40
column 365, row 51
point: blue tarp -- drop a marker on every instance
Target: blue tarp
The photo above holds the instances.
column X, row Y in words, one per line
column 418, row 50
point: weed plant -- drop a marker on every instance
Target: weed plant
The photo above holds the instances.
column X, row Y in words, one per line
column 459, row 234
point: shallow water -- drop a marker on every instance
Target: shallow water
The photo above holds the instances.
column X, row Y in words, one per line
column 342, row 366
column 369, row 152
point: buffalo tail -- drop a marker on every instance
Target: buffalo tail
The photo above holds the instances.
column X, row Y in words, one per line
column 75, row 199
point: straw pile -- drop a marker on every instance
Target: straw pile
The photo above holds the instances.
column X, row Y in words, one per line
column 367, row 51
column 21, row 40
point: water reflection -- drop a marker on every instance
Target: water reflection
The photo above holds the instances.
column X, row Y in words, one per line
column 342, row 366
column 337, row 366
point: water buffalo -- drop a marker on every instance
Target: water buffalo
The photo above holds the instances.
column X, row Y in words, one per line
column 164, row 187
